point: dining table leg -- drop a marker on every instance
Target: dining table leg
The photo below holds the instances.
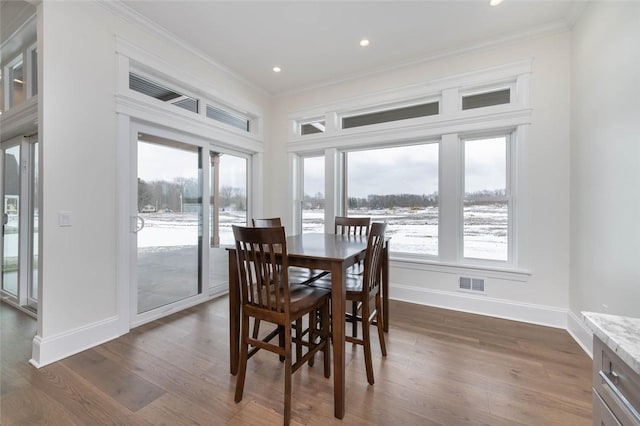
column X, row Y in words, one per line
column 234, row 314
column 338, row 296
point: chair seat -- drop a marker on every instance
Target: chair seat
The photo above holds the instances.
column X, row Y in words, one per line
column 352, row 284
column 301, row 275
column 304, row 297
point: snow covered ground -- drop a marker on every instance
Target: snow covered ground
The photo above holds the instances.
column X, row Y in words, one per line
column 411, row 230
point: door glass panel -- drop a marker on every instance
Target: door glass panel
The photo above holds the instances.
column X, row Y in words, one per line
column 170, row 204
column 232, row 178
column 35, row 216
column 11, row 220
column 313, row 199
column 228, row 207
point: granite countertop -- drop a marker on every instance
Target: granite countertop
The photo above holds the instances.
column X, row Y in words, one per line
column 620, row 334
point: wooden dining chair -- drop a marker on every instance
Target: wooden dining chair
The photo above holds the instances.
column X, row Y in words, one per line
column 267, row 294
column 352, row 225
column 365, row 288
column 266, row 223
column 296, row 275
column 361, row 290
column 356, row 226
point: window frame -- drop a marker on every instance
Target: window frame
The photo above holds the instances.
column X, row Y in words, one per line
column 9, row 94
column 450, row 126
column 510, row 174
column 300, row 198
column 343, row 190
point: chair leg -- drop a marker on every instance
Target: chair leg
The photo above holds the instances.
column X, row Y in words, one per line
column 354, row 319
column 244, row 356
column 383, row 346
column 326, row 325
column 313, row 320
column 287, row 376
column 299, row 339
column 366, row 341
column 281, row 339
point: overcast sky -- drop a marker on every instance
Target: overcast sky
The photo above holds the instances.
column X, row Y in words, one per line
column 399, row 170
column 412, row 169
column 160, row 162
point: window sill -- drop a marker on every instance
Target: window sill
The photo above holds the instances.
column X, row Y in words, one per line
column 487, row 271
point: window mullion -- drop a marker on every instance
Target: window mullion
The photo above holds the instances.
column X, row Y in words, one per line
column 450, row 198
column 334, row 181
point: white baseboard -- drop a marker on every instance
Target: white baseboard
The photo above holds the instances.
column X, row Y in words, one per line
column 218, row 290
column 51, row 349
column 580, row 333
column 549, row 316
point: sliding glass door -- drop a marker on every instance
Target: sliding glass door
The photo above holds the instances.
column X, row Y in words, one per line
column 11, row 218
column 20, row 212
column 185, row 193
column 168, row 229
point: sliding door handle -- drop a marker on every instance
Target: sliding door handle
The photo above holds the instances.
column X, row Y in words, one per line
column 137, row 225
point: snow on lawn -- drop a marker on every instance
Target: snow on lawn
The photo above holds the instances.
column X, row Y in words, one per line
column 411, row 230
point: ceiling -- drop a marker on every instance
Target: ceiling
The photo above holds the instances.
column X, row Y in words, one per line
column 317, row 42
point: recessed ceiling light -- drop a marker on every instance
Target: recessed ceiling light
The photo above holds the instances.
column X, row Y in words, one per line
column 277, row 69
column 495, row 2
column 364, row 42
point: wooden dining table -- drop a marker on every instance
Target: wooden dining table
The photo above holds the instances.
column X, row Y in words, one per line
column 327, row 252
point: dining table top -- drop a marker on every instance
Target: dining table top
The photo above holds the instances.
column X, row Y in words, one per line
column 329, row 246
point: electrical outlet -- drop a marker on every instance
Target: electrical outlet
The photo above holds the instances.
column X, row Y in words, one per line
column 64, row 219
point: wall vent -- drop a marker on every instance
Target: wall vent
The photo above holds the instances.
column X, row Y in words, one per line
column 465, row 283
column 477, row 284
column 471, row 284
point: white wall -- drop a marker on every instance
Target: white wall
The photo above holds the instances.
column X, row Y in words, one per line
column 544, row 298
column 605, row 160
column 78, row 300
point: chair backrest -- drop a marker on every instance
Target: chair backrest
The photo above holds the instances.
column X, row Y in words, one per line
column 263, row 267
column 373, row 259
column 266, row 223
column 352, row 225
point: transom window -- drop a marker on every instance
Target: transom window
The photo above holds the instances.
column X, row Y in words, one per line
column 162, row 92
column 395, row 114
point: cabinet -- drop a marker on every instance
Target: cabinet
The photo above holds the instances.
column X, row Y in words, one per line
column 616, row 389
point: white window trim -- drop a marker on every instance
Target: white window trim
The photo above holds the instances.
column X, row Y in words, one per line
column 511, row 172
column 28, row 62
column 138, row 111
column 449, row 126
column 135, row 59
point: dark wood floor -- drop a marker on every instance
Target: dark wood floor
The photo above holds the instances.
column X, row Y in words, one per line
column 442, row 368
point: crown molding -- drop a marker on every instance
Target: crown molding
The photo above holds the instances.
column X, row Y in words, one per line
column 119, row 8
column 575, row 12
